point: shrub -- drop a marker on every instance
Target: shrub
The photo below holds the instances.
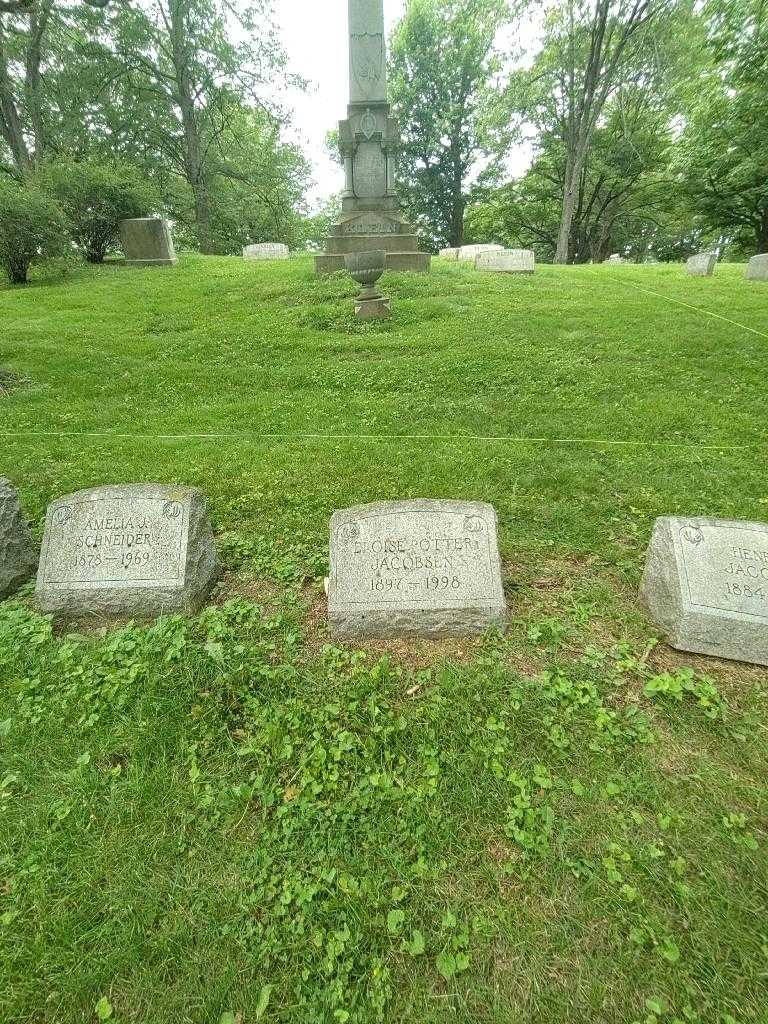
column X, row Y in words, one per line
column 95, row 198
column 32, row 229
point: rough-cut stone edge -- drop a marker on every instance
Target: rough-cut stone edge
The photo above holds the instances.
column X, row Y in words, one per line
column 431, row 623
column 201, row 570
column 18, row 551
column 717, row 633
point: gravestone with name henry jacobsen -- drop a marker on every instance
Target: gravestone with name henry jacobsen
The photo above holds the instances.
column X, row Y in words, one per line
column 415, row 568
column 706, row 586
column 125, row 551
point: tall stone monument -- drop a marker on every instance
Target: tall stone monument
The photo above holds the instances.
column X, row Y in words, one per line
column 369, row 138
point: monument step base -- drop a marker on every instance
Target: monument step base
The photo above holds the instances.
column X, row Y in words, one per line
column 400, row 262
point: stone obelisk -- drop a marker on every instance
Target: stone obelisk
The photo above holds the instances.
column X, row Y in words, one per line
column 369, row 139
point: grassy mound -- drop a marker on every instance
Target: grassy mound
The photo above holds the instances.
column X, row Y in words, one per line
column 232, row 819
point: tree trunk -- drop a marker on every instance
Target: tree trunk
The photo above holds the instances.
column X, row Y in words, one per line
column 762, row 235
column 571, row 194
column 38, row 25
column 195, row 170
column 10, row 121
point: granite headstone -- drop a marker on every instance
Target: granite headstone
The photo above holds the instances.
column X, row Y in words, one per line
column 469, row 253
column 266, row 251
column 449, row 254
column 757, row 269
column 147, row 242
column 510, row 261
column 18, row 553
column 702, row 265
column 125, row 551
column 706, row 586
column 415, row 568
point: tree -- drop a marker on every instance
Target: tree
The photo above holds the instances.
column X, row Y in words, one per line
column 592, row 48
column 723, row 155
column 448, row 92
column 32, row 229
column 189, row 83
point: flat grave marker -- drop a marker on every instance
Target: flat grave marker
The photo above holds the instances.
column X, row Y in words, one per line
column 706, row 585
column 136, row 550
column 415, row 568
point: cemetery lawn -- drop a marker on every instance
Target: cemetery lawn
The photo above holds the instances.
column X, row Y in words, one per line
column 231, row 819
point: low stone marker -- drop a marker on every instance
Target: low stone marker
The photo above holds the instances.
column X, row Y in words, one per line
column 266, row 251
column 450, row 254
column 706, row 586
column 616, row 258
column 757, row 269
column 147, row 242
column 415, row 568
column 126, row 551
column 702, row 265
column 510, row 261
column 471, row 252
column 18, row 552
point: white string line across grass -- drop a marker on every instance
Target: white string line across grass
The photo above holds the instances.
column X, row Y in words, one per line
column 449, row 438
column 679, row 302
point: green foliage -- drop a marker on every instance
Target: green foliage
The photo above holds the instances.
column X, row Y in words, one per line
column 448, row 91
column 95, row 197
column 32, row 229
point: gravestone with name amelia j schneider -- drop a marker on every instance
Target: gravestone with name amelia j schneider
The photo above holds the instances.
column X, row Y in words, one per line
column 415, row 568
column 369, row 138
column 18, row 553
column 127, row 551
column 706, row 586
column 147, row 242
column 702, row 265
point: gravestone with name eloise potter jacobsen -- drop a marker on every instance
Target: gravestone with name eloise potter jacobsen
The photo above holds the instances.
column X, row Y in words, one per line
column 415, row 568
column 127, row 551
column 18, row 552
column 147, row 242
column 369, row 138
column 706, row 586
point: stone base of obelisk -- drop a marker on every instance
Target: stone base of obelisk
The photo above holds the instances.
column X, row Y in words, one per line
column 371, row 229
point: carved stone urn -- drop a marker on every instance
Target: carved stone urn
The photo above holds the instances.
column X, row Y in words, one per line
column 366, row 268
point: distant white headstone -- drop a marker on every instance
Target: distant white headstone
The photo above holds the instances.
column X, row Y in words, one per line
column 470, row 252
column 615, row 258
column 450, row 254
column 702, row 265
column 758, row 268
column 706, row 586
column 510, row 261
column 266, row 251
column 135, row 550
column 424, row 568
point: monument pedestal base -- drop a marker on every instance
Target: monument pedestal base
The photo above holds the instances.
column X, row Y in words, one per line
column 412, row 262
column 373, row 309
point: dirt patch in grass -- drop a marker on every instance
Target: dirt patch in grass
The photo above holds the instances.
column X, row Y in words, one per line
column 10, row 382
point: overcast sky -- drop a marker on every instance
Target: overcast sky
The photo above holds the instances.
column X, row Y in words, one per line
column 314, row 34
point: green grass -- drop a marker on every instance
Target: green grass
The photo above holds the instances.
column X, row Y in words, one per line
column 231, row 819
